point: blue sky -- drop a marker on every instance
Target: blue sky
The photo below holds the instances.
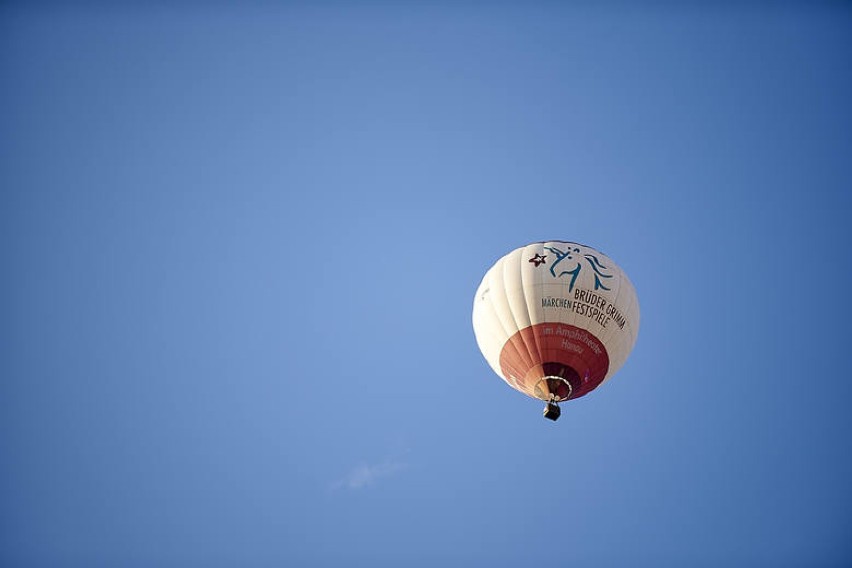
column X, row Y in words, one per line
column 240, row 248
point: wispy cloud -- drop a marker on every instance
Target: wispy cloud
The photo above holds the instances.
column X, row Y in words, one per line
column 366, row 474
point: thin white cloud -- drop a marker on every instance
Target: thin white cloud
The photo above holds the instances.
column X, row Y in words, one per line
column 366, row 474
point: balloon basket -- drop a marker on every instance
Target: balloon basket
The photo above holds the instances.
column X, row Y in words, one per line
column 552, row 411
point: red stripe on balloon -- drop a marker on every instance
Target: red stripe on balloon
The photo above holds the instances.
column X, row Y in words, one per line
column 536, row 351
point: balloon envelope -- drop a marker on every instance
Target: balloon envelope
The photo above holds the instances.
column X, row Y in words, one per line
column 555, row 319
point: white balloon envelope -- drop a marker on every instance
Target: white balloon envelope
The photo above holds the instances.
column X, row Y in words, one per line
column 555, row 320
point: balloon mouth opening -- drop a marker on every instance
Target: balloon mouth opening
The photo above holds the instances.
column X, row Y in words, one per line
column 558, row 382
column 555, row 389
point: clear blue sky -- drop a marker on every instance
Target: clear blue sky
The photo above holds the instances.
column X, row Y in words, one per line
column 239, row 252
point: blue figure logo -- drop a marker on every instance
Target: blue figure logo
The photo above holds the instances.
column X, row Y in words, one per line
column 593, row 261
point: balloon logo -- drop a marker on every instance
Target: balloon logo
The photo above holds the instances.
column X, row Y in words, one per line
column 555, row 320
column 592, row 260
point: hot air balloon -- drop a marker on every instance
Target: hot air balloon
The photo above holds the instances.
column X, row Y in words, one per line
column 555, row 320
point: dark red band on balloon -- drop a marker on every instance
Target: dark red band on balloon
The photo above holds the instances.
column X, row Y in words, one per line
column 554, row 349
